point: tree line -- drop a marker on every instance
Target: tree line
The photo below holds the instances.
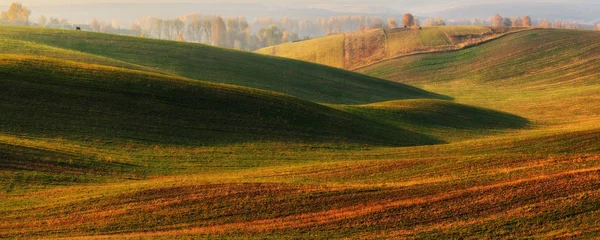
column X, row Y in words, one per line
column 238, row 33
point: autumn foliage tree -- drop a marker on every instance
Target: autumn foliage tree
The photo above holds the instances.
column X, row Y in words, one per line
column 17, row 14
column 95, row 25
column 218, row 32
column 526, row 21
column 408, row 20
column 497, row 20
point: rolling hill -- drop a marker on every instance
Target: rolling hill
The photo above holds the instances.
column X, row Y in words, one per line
column 53, row 98
column 106, row 146
column 201, row 62
column 359, row 49
column 546, row 75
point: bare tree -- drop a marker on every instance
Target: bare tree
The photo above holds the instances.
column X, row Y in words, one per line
column 195, row 30
column 168, row 29
column 507, row 22
column 416, row 23
column 546, row 24
column 207, row 27
column 178, row 26
column 517, row 22
column 43, row 21
column 158, row 27
column 392, row 23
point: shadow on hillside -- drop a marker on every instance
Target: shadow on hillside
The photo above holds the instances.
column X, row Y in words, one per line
column 444, row 119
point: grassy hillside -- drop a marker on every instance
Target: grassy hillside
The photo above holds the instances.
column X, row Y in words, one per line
column 364, row 48
column 327, row 50
column 196, row 61
column 522, row 158
column 52, row 98
column 440, row 118
column 550, row 76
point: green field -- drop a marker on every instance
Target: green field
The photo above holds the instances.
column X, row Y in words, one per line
column 105, row 136
column 206, row 63
column 363, row 48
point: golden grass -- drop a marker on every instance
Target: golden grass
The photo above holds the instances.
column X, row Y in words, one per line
column 541, row 181
column 327, row 50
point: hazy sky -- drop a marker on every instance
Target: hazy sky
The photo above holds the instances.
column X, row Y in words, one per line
column 412, row 5
column 74, row 11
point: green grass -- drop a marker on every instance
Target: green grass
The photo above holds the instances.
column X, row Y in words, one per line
column 464, row 30
column 442, row 119
column 327, row 50
column 402, row 41
column 432, row 37
column 363, row 48
column 93, row 149
column 52, row 98
column 201, row 62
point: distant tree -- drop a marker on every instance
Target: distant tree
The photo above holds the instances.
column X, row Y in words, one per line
column 218, row 32
column 194, row 29
column 558, row 24
column 136, row 30
column 158, row 27
column 54, row 22
column 416, row 23
column 3, row 17
column 392, row 23
column 517, row 22
column 272, row 35
column 63, row 21
column 497, row 20
column 43, row 21
column 362, row 27
column 180, row 37
column 178, row 26
column 597, row 27
column 18, row 14
column 94, row 25
column 208, row 22
column 408, row 20
column 440, row 22
column 107, row 28
column 507, row 22
column 526, row 21
column 168, row 29
column 546, row 24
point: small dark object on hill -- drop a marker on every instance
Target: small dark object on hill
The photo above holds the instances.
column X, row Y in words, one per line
column 405, row 26
column 420, row 28
column 77, row 29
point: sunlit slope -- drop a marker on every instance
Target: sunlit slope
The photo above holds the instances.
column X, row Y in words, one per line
column 43, row 96
column 305, row 80
column 501, row 187
column 550, row 76
column 362, row 48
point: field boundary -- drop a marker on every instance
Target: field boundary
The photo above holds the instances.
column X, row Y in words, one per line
column 450, row 48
